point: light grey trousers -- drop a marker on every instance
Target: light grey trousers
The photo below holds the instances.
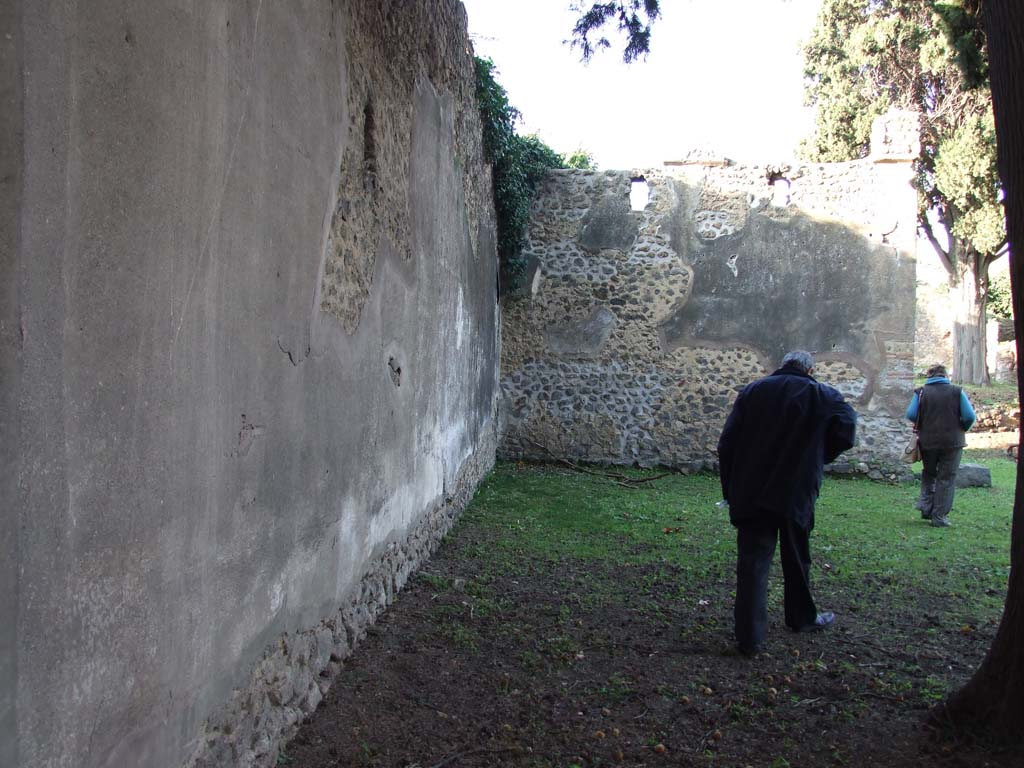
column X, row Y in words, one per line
column 938, row 481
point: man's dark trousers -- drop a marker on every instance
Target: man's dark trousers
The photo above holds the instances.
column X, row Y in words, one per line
column 755, row 547
column 938, row 481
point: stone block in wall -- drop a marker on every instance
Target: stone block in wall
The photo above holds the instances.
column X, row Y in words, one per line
column 1002, row 349
column 854, row 383
column 324, row 645
column 720, row 212
column 586, row 337
column 609, row 225
column 1006, row 362
column 896, row 136
column 280, row 689
column 711, row 225
column 311, row 701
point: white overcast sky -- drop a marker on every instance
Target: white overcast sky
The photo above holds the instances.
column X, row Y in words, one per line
column 724, row 75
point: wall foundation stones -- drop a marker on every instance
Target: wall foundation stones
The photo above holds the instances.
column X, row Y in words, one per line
column 296, row 672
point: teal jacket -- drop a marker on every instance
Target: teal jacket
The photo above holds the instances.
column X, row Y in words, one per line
column 967, row 415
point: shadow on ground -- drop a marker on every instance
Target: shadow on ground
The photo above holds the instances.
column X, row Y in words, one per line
column 515, row 649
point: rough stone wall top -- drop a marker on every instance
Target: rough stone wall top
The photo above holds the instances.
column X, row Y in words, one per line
column 372, row 200
column 896, row 136
column 641, row 326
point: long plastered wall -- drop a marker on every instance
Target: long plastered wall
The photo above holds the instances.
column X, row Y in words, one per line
column 249, row 358
column 639, row 324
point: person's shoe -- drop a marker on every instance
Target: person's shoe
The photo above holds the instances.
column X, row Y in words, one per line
column 823, row 620
column 926, row 515
column 940, row 522
column 749, row 650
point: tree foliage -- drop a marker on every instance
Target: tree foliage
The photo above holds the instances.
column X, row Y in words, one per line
column 965, row 175
column 632, row 18
column 865, row 56
column 1000, row 303
column 519, row 163
column 581, row 159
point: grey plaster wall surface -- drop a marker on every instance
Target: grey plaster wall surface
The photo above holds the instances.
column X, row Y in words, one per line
column 216, row 477
column 11, row 169
column 639, row 327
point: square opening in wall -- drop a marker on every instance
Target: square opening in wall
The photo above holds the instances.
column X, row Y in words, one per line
column 639, row 194
column 780, row 192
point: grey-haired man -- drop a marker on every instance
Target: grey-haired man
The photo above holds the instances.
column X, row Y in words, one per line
column 781, row 432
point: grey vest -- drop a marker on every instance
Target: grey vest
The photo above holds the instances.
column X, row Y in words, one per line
column 938, row 423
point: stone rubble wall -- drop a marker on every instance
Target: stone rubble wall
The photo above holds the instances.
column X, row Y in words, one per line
column 638, row 328
column 1002, row 417
column 373, row 197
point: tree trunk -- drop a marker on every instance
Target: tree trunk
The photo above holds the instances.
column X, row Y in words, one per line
column 992, row 701
column 970, row 355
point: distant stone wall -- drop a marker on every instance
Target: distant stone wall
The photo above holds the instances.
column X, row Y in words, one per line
column 638, row 327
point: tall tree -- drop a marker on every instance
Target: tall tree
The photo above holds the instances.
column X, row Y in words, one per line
column 992, row 701
column 866, row 56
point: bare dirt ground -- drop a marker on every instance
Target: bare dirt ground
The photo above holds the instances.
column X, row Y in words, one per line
column 543, row 667
column 1000, row 441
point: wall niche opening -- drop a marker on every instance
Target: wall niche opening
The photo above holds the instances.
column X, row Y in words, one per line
column 781, row 188
column 639, row 193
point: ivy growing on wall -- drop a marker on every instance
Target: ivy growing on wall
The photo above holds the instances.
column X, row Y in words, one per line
column 519, row 163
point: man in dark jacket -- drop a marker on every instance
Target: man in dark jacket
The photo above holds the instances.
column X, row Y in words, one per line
column 781, row 432
column 942, row 414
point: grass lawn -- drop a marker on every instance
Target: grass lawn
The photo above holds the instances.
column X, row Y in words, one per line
column 568, row 620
